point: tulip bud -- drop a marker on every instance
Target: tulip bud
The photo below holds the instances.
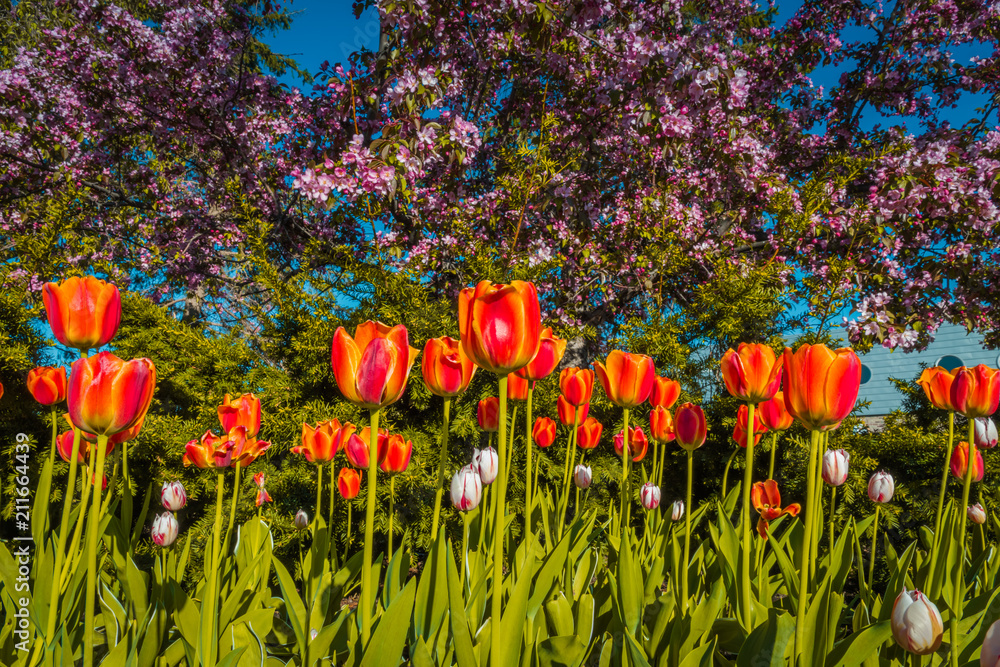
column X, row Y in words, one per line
column 357, row 448
column 989, row 656
column 349, row 483
column 881, row 487
column 916, row 623
column 543, row 432
column 466, row 489
column 835, row 465
column 487, row 463
column 677, row 510
column 83, row 312
column 165, row 529
column 690, row 427
column 986, row 433
column 301, row 521
column 650, row 495
column 588, row 435
column 576, row 385
column 960, row 462
column 583, row 476
column 488, row 414
column 665, row 392
column 173, row 496
column 976, row 514
column 397, row 454
column 661, row 425
column 47, row 384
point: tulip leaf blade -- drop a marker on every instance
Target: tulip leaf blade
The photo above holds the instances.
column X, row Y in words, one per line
column 386, row 646
column 853, row 650
column 462, row 637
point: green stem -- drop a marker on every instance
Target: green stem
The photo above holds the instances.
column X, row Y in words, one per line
column 333, row 499
column 745, row 522
column 210, row 635
column 93, row 528
column 347, row 535
column 936, row 540
column 725, row 472
column 801, row 607
column 499, row 511
column 625, row 490
column 663, row 463
column 465, row 550
column 818, row 516
column 687, row 532
column 833, row 514
column 774, row 450
column 871, row 560
column 392, row 512
column 366, row 564
column 232, row 513
column 958, row 593
column 510, row 448
column 528, row 446
column 319, row 492
column 55, row 436
column 576, row 499
column 568, row 474
column 442, row 457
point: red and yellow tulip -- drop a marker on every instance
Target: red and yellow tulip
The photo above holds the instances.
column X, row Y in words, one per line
column 543, row 433
column 690, row 426
column 550, row 352
column 767, row 500
column 397, row 454
column 976, row 391
column 83, row 312
column 244, row 411
column 357, row 448
column 576, row 385
column 371, row 368
column 638, row 444
column 517, row 388
column 488, row 414
column 936, row 383
column 566, row 411
column 47, row 384
column 107, row 395
column 774, row 414
column 446, row 369
column 665, row 393
column 661, row 425
column 821, row 385
column 349, row 483
column 588, row 435
column 960, row 462
column 500, row 325
column 321, row 444
column 627, row 378
column 752, row 372
column 740, row 430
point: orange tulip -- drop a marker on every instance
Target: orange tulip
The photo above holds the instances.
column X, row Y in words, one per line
column 576, row 385
column 202, row 452
column 766, row 499
column 447, row 370
column 500, row 325
column 774, row 414
column 488, row 414
column 936, row 383
column 397, row 454
column 371, row 368
column 638, row 444
column 517, row 388
column 321, row 444
column 960, row 462
column 349, row 483
column 240, row 449
column 627, row 378
column 550, row 352
column 118, row 438
column 543, row 433
column 665, row 392
column 752, row 373
column 47, row 384
column 976, row 391
column 588, row 435
column 661, row 425
column 107, row 395
column 740, row 430
column 83, row 312
column 690, row 426
column 566, row 410
column 244, row 411
column 821, row 385
column 357, row 447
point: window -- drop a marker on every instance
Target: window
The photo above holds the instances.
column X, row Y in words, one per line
column 949, row 362
column 866, row 374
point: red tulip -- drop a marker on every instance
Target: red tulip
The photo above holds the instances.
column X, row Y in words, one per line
column 766, row 499
column 488, row 414
column 550, row 352
column 821, row 385
column 566, row 410
column 357, row 447
column 976, row 391
column 321, row 444
column 517, row 388
column 64, row 443
column 349, row 483
column 576, row 385
column 47, row 384
column 83, row 312
column 1, row 390
column 244, row 411
column 665, row 392
column 500, row 325
column 107, row 395
column 752, row 373
column 588, row 435
column 740, row 430
column 661, row 425
column 774, row 414
column 202, row 452
column 371, row 368
column 627, row 378
column 240, row 449
column 397, row 454
column 960, row 462
column 447, row 370
column 638, row 444
column 690, row 427
column 936, row 383
column 543, row 433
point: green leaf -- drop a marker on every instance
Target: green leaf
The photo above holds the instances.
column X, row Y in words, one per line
column 767, row 644
column 700, row 657
column 855, row 648
column 386, row 646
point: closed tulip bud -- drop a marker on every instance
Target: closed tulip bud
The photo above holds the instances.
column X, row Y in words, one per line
column 740, row 430
column 690, row 427
column 550, row 352
column 638, row 444
column 677, row 510
column 626, row 378
column 835, row 466
column 976, row 391
column 47, row 384
column 397, row 454
column 576, row 385
column 349, row 483
column 985, row 433
column 371, row 368
column 487, row 463
column 466, row 489
column 661, row 425
column 916, row 623
column 976, row 514
column 881, row 487
column 301, row 521
column 588, row 435
column 446, row 369
column 543, row 433
column 936, row 383
column 517, row 388
column 752, row 372
column 821, row 385
column 566, row 411
column 357, row 448
column 243, row 411
column 989, row 656
column 500, row 325
column 650, row 496
column 960, row 462
column 173, row 496
column 583, row 476
column 321, row 444
column 488, row 414
column 165, row 529
column 107, row 395
column 665, row 393
column 83, row 312
column 774, row 414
